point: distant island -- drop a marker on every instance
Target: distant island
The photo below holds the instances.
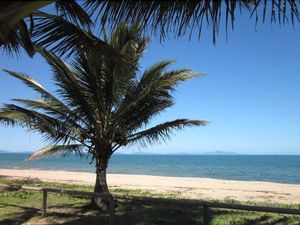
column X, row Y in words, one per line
column 15, row 152
column 220, row 153
column 180, row 153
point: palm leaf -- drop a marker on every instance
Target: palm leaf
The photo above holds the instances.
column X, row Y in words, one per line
column 53, row 110
column 39, row 88
column 71, row 88
column 51, row 128
column 188, row 17
column 150, row 96
column 13, row 30
column 65, row 38
column 73, row 12
column 162, row 131
column 159, row 17
column 58, row 150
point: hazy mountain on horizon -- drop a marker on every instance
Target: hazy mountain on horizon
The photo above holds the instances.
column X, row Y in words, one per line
column 181, row 153
column 220, row 153
column 205, row 153
column 20, row 152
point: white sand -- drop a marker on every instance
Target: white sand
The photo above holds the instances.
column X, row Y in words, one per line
column 195, row 188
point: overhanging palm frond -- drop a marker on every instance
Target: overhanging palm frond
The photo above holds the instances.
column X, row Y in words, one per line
column 162, row 131
column 13, row 29
column 188, row 17
column 15, row 38
column 73, row 12
column 58, row 150
column 158, row 17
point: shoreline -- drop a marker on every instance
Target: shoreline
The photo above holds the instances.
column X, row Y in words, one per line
column 144, row 175
column 185, row 187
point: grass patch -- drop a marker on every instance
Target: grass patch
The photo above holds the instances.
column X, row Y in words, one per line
column 24, row 207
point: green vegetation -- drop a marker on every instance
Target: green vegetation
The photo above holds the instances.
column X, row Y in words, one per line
column 18, row 207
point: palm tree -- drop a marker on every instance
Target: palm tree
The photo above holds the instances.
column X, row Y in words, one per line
column 158, row 17
column 101, row 107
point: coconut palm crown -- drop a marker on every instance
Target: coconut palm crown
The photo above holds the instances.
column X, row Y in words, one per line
column 99, row 106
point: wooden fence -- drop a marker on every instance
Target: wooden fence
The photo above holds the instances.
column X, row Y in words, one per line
column 205, row 204
column 69, row 192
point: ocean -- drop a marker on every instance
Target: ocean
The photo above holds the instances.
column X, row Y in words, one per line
column 280, row 169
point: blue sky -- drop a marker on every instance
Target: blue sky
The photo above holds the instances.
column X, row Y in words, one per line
column 250, row 93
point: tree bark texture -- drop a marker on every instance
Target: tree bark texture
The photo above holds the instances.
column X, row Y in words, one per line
column 101, row 186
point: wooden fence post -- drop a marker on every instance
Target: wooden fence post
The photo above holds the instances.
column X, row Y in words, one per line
column 111, row 210
column 205, row 215
column 44, row 203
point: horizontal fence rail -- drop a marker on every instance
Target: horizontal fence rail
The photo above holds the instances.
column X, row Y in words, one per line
column 61, row 191
column 212, row 204
column 205, row 204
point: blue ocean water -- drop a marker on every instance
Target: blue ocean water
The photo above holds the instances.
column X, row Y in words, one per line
column 281, row 169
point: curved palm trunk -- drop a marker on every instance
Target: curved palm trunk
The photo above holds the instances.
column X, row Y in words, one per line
column 101, row 186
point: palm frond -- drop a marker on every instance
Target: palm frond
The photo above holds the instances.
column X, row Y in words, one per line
column 49, row 102
column 157, row 17
column 128, row 40
column 11, row 40
column 13, row 29
column 187, row 17
column 154, row 72
column 39, row 88
column 57, row 150
column 52, row 129
column 11, row 43
column 55, row 111
column 73, row 12
column 71, row 87
column 147, row 99
column 65, row 38
column 162, row 131
column 41, row 104
column 25, row 38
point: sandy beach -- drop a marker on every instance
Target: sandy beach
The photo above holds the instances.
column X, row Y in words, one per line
column 193, row 188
